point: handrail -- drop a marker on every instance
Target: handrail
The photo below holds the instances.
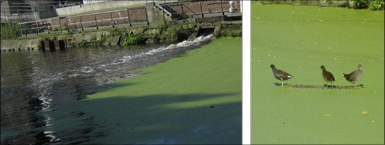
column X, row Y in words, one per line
column 163, row 9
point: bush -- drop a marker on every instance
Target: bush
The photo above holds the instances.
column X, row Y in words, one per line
column 170, row 35
column 115, row 32
column 231, row 31
column 376, row 5
column 359, row 4
column 129, row 39
column 174, row 33
column 326, row 3
column 10, row 31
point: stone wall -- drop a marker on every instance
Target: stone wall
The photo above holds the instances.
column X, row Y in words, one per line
column 22, row 44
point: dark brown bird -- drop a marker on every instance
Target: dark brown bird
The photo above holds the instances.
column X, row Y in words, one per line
column 354, row 76
column 328, row 76
column 281, row 75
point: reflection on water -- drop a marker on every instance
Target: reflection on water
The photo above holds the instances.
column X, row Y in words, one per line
column 33, row 82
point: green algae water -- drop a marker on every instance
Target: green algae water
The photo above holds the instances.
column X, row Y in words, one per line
column 299, row 39
column 195, row 98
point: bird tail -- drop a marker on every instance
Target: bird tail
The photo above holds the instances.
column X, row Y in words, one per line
column 345, row 75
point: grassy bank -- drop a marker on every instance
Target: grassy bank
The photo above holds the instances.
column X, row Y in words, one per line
column 299, row 40
column 10, row 31
column 191, row 99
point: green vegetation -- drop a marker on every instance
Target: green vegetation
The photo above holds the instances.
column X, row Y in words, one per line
column 371, row 4
column 129, row 40
column 134, row 35
column 10, row 31
column 161, row 33
column 360, row 3
column 357, row 4
column 191, row 99
column 299, row 40
column 175, row 32
column 230, row 31
column 376, row 5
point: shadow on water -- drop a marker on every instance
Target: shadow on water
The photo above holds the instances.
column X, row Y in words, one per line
column 149, row 119
column 319, row 86
column 107, row 87
column 154, row 119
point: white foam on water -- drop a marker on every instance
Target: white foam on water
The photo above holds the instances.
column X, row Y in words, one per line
column 87, row 69
column 186, row 43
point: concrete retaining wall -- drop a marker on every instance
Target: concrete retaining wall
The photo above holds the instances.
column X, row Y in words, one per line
column 22, row 44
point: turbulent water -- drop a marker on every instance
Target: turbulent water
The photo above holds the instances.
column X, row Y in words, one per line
column 33, row 82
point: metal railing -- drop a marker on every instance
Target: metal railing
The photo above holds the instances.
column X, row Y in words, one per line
column 129, row 17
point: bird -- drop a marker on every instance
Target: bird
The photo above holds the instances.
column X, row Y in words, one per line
column 328, row 76
column 281, row 75
column 354, row 76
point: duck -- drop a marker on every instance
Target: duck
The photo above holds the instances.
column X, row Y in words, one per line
column 280, row 74
column 354, row 76
column 328, row 76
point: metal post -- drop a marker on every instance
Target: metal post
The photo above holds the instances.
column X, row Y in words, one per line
column 67, row 25
column 145, row 10
column 37, row 28
column 128, row 16
column 61, row 31
column 81, row 23
column 76, row 24
column 48, row 27
column 96, row 22
column 164, row 19
column 21, row 30
column 113, row 26
column 222, row 8
column 181, row 7
column 200, row 3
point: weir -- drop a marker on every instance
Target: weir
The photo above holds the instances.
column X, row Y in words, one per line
column 207, row 14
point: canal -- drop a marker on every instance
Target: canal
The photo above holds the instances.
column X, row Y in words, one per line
column 35, row 84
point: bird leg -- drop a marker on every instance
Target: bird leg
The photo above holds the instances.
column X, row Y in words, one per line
column 281, row 83
column 354, row 84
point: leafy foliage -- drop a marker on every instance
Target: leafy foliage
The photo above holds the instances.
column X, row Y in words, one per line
column 130, row 39
column 376, row 5
column 361, row 3
column 10, row 31
column 230, row 31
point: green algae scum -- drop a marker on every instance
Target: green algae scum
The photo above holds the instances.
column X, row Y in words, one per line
column 195, row 98
column 299, row 39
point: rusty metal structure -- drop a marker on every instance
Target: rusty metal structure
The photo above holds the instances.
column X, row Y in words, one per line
column 129, row 16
